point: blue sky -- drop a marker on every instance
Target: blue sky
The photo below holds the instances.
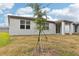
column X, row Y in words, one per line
column 51, row 6
column 55, row 11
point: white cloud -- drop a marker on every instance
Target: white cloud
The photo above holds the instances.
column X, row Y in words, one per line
column 23, row 11
column 6, row 5
column 64, row 11
column 5, row 23
column 26, row 12
column 69, row 13
column 1, row 12
column 74, row 5
column 74, row 10
column 27, row 15
column 46, row 9
column 6, row 18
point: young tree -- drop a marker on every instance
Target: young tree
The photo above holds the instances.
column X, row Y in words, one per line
column 39, row 20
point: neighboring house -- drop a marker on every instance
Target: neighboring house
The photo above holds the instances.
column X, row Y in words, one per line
column 77, row 28
column 4, row 29
column 65, row 27
column 19, row 25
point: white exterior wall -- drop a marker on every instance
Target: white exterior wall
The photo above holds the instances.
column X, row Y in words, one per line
column 69, row 28
column 14, row 28
column 63, row 28
column 72, row 28
column 78, row 29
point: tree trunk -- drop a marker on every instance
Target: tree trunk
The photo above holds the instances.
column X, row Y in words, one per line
column 39, row 42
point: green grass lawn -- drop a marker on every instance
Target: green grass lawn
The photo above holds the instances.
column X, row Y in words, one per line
column 4, row 38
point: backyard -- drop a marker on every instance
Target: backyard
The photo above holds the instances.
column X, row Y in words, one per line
column 4, row 39
column 57, row 45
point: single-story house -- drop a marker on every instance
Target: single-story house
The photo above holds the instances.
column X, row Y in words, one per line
column 19, row 25
column 65, row 27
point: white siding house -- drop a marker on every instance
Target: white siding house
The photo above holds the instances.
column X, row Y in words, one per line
column 77, row 28
column 16, row 28
column 65, row 27
column 19, row 25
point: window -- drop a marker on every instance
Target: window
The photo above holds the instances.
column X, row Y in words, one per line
column 46, row 26
column 24, row 24
column 27, row 24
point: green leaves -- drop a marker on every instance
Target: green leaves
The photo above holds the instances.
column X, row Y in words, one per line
column 40, row 21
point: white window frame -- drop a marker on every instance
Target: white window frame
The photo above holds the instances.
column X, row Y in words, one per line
column 25, row 24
